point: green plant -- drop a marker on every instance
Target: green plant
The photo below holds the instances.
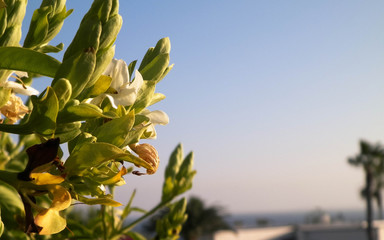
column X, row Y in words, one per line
column 94, row 106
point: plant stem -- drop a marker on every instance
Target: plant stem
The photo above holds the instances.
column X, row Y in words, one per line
column 104, row 223
column 152, row 211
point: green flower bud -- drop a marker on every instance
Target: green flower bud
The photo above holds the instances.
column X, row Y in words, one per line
column 86, row 37
column 63, row 90
column 46, row 23
column 174, row 162
column 162, row 46
column 78, row 70
column 38, row 29
column 102, row 61
column 186, row 167
column 110, row 31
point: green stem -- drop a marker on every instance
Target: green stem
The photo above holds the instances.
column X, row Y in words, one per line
column 111, row 191
column 104, row 223
column 153, row 210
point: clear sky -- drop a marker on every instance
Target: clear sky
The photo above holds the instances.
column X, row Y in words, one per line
column 272, row 96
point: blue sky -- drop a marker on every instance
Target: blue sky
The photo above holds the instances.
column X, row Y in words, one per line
column 272, row 96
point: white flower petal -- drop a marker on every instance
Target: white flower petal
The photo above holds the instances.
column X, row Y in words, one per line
column 118, row 71
column 18, row 88
column 158, row 117
column 96, row 100
column 138, row 82
column 125, row 97
column 21, row 74
column 112, row 99
column 151, row 129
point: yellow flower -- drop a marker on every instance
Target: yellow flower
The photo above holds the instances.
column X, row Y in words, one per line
column 49, row 220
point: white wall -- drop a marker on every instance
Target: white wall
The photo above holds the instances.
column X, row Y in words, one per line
column 254, row 233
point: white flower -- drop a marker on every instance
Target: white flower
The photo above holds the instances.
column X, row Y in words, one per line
column 155, row 117
column 124, row 91
column 14, row 109
column 17, row 87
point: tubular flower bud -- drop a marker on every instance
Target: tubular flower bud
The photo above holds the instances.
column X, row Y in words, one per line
column 14, row 109
column 148, row 153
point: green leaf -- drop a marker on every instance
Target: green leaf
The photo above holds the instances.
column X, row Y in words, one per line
column 135, row 235
column 157, row 97
column 94, row 154
column 127, row 209
column 79, row 112
column 67, row 131
column 101, row 200
column 147, row 58
column 3, row 20
column 137, row 131
column 22, row 59
column 116, row 131
column 42, row 119
column 44, row 113
column 131, row 67
column 100, row 86
column 145, row 96
column 10, row 203
column 1, row 225
column 51, row 49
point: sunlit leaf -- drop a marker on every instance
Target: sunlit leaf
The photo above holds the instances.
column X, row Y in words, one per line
column 93, row 154
column 50, row 221
column 116, row 131
column 51, row 49
column 1, row 225
column 27, row 60
column 79, row 112
column 101, row 86
column 157, row 97
column 102, row 201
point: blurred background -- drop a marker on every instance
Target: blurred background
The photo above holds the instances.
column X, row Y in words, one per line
column 272, row 97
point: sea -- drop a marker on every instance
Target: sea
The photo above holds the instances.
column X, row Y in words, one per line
column 253, row 220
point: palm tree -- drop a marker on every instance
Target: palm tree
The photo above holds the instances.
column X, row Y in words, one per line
column 202, row 220
column 379, row 184
column 371, row 159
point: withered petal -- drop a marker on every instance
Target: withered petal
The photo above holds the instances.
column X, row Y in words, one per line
column 38, row 155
